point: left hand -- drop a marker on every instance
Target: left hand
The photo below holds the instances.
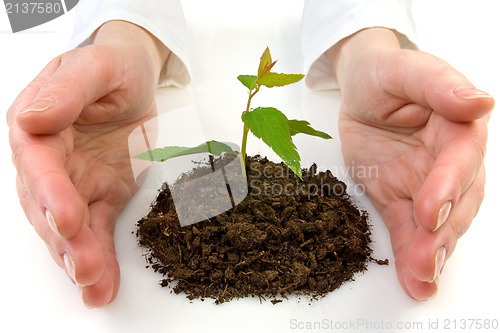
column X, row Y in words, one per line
column 417, row 129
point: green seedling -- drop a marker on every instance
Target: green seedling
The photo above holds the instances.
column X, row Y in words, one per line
column 266, row 123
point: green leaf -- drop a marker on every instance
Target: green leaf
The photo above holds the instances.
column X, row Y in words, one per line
column 163, row 154
column 266, row 63
column 272, row 79
column 248, row 80
column 271, row 125
column 302, row 126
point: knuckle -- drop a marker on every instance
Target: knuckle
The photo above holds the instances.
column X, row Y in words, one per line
column 17, row 148
column 478, row 188
column 24, row 198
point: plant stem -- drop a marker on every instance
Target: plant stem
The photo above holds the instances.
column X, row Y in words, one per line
column 250, row 95
column 244, row 142
column 245, row 128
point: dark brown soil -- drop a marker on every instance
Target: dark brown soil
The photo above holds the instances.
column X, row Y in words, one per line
column 288, row 237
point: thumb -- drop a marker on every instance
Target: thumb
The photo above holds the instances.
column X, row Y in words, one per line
column 431, row 82
column 69, row 83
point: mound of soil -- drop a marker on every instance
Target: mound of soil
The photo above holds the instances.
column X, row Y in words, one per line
column 287, row 237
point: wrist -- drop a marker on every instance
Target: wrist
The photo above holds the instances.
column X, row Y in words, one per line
column 366, row 42
column 128, row 35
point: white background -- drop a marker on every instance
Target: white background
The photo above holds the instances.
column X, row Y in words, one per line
column 226, row 39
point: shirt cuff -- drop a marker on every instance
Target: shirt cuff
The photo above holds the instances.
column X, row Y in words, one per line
column 162, row 18
column 325, row 23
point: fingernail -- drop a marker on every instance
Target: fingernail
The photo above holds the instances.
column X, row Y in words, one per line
column 439, row 263
column 69, row 264
column 51, row 222
column 443, row 214
column 470, row 93
column 80, row 289
column 434, row 285
column 39, row 105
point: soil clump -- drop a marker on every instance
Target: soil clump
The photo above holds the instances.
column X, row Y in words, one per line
column 287, row 237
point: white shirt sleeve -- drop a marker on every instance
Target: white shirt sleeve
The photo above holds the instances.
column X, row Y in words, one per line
column 162, row 18
column 326, row 22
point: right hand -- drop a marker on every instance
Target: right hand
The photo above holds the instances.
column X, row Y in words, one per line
column 69, row 137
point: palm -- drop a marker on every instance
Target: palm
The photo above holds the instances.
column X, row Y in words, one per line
column 99, row 164
column 392, row 163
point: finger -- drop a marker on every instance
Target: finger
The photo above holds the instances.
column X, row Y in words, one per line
column 100, row 293
column 104, row 290
column 460, row 152
column 88, row 260
column 64, row 88
column 402, row 229
column 416, row 289
column 402, row 234
column 418, row 77
column 40, row 165
column 28, row 94
column 81, row 256
column 37, row 220
column 429, row 250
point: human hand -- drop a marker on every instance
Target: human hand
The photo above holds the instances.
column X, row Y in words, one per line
column 69, row 137
column 416, row 129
